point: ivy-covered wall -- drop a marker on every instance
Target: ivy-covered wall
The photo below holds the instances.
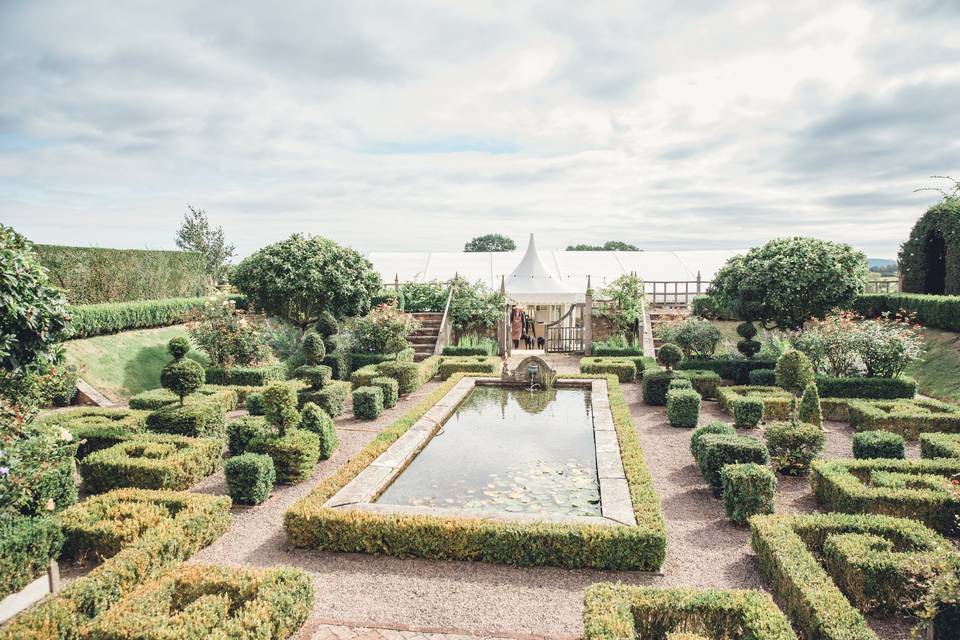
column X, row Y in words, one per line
column 930, row 259
column 92, row 275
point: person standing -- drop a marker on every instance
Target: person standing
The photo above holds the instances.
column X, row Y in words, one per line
column 517, row 322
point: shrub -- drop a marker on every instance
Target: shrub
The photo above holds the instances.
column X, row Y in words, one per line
column 231, row 337
column 151, row 462
column 938, row 312
column 852, row 486
column 481, row 365
column 250, row 478
column 182, row 377
column 199, row 520
column 729, row 368
column 156, row 398
column 793, row 446
column 877, row 444
column 762, row 378
column 316, row 375
column 615, row 347
column 38, row 477
column 717, row 451
column 748, row 489
column 332, row 398
column 383, row 330
column 683, row 408
column 316, row 420
column 747, row 411
column 424, row 296
column 790, row 280
column 794, row 372
column 707, row 383
column 314, row 351
column 311, row 525
column 247, row 376
column 94, row 428
column 339, row 363
column 367, row 403
column 655, row 386
column 878, row 388
column 909, row 418
column 26, row 547
column 89, row 320
column 201, row 419
column 407, row 375
column 787, row 549
column 474, row 306
column 810, row 411
column 294, row 454
column 280, row 406
column 178, row 347
column 669, row 355
column 625, row 370
column 696, row 338
column 940, row 445
column 390, row 389
column 679, row 383
column 748, row 346
column 255, row 404
column 199, row 601
column 359, row 360
column 777, row 403
column 623, row 612
column 63, row 388
column 242, row 430
column 711, row 428
column 473, row 345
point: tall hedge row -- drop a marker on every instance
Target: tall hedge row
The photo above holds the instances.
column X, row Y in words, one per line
column 92, row 275
column 936, row 312
column 88, row 320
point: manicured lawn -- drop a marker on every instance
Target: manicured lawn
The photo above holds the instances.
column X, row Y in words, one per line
column 938, row 374
column 127, row 363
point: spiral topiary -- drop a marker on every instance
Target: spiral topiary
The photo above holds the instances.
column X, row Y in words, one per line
column 748, row 346
column 313, row 348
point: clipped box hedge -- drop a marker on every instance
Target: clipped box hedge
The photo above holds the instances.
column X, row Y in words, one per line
column 96, row 428
column 246, row 376
column 310, row 525
column 711, row 428
column 864, row 387
column 936, row 311
column 480, row 365
column 88, row 320
column 457, row 350
column 151, row 462
column 787, row 549
column 847, row 486
column 939, row 445
column 359, row 360
column 198, row 419
column 626, row 612
column 27, row 545
column 706, row 382
column 250, row 477
column 777, row 403
column 242, row 430
column 878, row 444
column 908, row 418
column 604, row 351
column 715, row 451
column 157, row 398
column 737, row 370
column 683, row 408
column 390, row 389
column 228, row 603
column 332, row 398
column 294, row 454
column 748, row 489
column 103, row 525
column 625, row 370
column 367, row 403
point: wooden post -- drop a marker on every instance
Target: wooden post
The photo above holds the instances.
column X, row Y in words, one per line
column 588, row 320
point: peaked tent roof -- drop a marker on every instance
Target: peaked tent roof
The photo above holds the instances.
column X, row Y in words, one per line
column 532, row 283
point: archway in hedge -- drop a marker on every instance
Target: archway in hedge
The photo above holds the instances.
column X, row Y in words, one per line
column 930, row 259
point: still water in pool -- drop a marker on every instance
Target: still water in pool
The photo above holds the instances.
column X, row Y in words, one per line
column 508, row 450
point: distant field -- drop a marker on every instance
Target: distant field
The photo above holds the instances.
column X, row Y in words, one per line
column 125, row 364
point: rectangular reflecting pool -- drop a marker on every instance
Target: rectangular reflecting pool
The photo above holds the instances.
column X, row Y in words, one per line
column 508, row 450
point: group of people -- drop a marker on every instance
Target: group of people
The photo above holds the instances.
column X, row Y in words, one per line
column 523, row 328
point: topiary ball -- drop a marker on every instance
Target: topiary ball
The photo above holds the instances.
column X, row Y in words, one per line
column 669, row 355
column 313, row 348
column 327, row 325
column 748, row 348
column 182, row 377
column 746, row 330
column 178, row 347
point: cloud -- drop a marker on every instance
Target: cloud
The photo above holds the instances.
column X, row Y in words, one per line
column 416, row 125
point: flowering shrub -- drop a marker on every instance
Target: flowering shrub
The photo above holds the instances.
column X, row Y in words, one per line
column 475, row 306
column 843, row 345
column 36, row 470
column 697, row 338
column 230, row 337
column 383, row 330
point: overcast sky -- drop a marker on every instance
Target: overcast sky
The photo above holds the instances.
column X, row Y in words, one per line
column 417, row 125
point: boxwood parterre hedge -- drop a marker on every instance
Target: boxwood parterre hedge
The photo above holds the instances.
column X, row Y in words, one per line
column 777, row 403
column 909, row 418
column 96, row 428
column 27, row 545
column 309, row 525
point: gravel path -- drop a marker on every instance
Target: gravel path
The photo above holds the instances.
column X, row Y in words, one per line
column 356, row 590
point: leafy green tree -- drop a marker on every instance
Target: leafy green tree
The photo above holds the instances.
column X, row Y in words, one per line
column 300, row 278
column 33, row 317
column 625, row 308
column 788, row 281
column 196, row 234
column 609, row 245
column 182, row 377
column 490, row 242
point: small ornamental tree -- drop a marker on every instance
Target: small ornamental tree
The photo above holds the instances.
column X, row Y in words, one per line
column 810, row 411
column 794, row 372
column 178, row 347
column 280, row 406
column 299, row 278
column 748, row 346
column 313, row 348
column 669, row 355
column 490, row 242
column 788, row 281
column 182, row 377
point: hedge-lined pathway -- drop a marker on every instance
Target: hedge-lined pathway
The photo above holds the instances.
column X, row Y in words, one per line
column 384, row 598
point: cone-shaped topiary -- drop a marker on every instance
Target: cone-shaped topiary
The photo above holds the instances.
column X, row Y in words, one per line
column 669, row 355
column 810, row 411
column 794, row 372
column 280, row 406
column 178, row 347
column 183, row 377
column 313, row 348
column 315, row 419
